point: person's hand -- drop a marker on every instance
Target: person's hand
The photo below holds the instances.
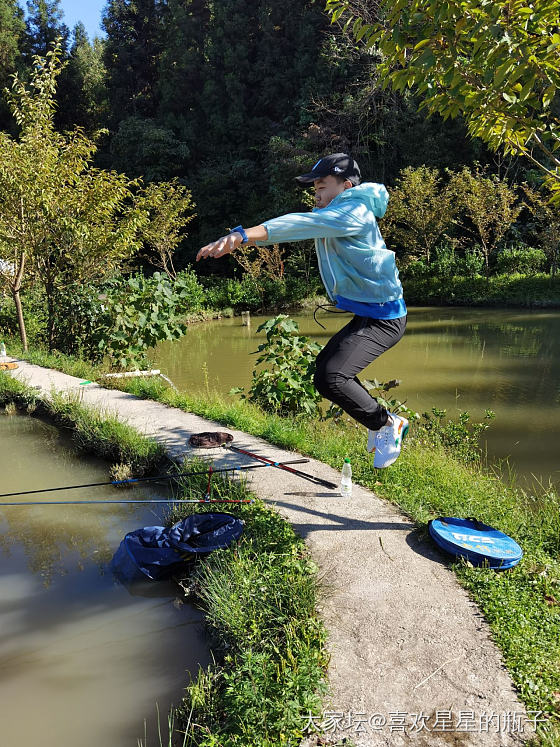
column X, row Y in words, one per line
column 221, row 247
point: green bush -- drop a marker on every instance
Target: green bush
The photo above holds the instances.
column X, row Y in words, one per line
column 299, row 287
column 34, row 314
column 241, row 295
column 274, row 293
column 190, row 291
column 285, row 386
column 125, row 316
column 139, row 312
column 460, row 437
column 246, row 294
column 416, row 269
column 521, row 259
column 471, row 264
column 446, row 262
column 79, row 316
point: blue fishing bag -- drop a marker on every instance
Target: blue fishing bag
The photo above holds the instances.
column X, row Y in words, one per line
column 480, row 544
column 156, row 553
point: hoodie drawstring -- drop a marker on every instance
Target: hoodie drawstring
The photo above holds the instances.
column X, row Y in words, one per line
column 325, row 306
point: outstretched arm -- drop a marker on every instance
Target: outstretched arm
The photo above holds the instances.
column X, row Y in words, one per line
column 228, row 243
column 347, row 220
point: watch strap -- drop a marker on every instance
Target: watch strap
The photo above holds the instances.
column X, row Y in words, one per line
column 241, row 230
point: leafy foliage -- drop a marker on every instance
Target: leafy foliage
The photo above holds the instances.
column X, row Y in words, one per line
column 460, row 437
column 495, row 63
column 420, row 210
column 69, row 221
column 285, row 384
column 546, row 217
column 522, row 260
column 140, row 312
column 489, row 205
column 167, row 204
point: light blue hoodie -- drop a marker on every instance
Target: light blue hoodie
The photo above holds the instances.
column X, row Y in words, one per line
column 358, row 271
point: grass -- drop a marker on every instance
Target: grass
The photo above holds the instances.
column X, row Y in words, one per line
column 260, row 598
column 522, row 605
column 92, row 431
column 59, row 361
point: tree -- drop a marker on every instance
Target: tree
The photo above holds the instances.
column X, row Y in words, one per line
column 496, row 63
column 12, row 30
column 420, row 210
column 182, row 70
column 65, row 220
column 490, row 206
column 12, row 27
column 82, row 91
column 547, row 222
column 167, row 204
column 132, row 52
column 143, row 146
column 45, row 26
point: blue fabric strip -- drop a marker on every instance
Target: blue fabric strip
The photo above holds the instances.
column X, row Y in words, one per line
column 387, row 310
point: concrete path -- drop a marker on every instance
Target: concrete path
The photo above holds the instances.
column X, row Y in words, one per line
column 411, row 656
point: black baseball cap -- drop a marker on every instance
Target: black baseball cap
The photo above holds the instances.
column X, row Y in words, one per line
column 337, row 164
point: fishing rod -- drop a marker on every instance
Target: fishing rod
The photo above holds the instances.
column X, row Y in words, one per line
column 147, row 500
column 146, row 479
column 304, row 475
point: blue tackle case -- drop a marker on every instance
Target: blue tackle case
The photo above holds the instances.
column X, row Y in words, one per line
column 480, row 544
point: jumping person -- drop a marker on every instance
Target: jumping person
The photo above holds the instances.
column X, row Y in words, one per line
column 359, row 274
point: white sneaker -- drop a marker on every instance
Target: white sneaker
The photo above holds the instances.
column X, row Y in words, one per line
column 386, row 443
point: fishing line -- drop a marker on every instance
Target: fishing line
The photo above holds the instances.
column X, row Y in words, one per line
column 235, row 468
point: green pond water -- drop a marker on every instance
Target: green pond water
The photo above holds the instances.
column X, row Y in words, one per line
column 507, row 360
column 82, row 661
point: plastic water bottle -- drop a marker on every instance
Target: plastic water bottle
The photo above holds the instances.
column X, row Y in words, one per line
column 346, row 479
column 3, row 353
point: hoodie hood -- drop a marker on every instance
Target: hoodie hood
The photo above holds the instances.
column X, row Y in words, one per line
column 375, row 196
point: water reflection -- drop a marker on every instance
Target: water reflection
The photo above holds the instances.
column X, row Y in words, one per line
column 91, row 658
column 507, row 360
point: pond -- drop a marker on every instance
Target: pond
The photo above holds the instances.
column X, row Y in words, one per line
column 83, row 662
column 507, row 360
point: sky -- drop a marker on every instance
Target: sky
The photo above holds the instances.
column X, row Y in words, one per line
column 87, row 11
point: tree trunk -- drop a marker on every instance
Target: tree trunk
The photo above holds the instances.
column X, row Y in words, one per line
column 16, row 287
column 49, row 290
column 21, row 322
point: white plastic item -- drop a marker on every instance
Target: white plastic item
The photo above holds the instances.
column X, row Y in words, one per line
column 346, row 479
column 3, row 353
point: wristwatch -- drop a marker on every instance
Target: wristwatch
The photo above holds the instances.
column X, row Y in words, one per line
column 241, row 230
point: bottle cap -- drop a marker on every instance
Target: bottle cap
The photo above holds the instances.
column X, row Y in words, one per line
column 346, row 459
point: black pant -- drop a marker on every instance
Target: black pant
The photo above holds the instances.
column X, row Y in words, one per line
column 353, row 348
